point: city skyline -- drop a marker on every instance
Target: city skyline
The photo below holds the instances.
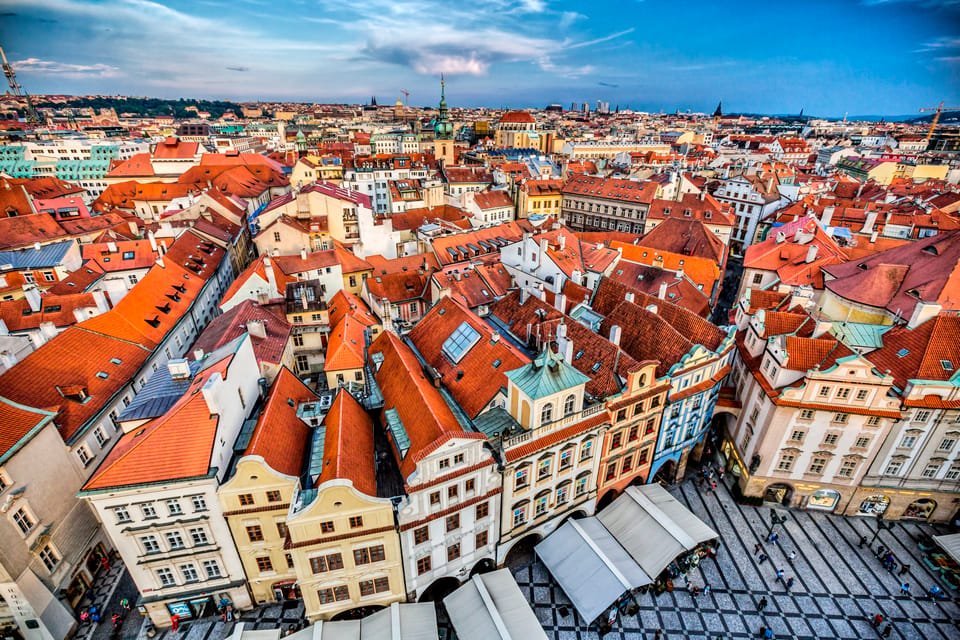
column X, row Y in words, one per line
column 504, row 53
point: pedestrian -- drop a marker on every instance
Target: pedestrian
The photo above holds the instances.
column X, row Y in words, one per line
column 779, row 575
column 775, row 537
column 791, row 556
column 657, row 634
column 706, row 589
column 904, row 568
column 762, row 558
column 789, row 583
column 125, row 603
column 880, row 550
column 713, row 485
column 175, row 622
column 877, row 620
column 116, row 620
column 762, row 604
column 756, row 548
column 695, row 591
column 768, row 634
column 84, row 615
column 905, row 589
column 721, row 473
column 863, row 541
column 887, row 630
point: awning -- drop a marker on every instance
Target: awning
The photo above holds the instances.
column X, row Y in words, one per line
column 653, row 526
column 406, row 621
column 950, row 544
column 490, row 606
column 590, row 566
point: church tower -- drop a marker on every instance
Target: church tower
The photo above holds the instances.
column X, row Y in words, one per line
column 301, row 144
column 443, row 131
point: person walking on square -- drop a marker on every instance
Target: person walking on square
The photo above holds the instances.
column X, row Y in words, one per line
column 762, row 604
column 779, row 575
column 905, row 589
column 791, row 556
column 877, row 620
column 880, row 550
column 658, row 634
column 789, row 583
column 887, row 630
column 756, row 548
column 863, row 541
column 761, row 558
column 904, row 568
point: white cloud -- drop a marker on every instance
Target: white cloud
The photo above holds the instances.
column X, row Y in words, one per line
column 67, row 70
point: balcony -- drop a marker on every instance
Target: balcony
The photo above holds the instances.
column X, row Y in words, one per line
column 520, row 438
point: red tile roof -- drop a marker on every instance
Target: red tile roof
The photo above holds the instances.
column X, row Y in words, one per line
column 46, row 187
column 413, row 219
column 708, row 209
column 399, row 287
column 177, row 445
column 21, row 231
column 17, row 421
column 427, row 419
column 137, row 166
column 14, row 200
column 143, row 255
column 493, row 200
column 473, row 381
column 805, row 353
column 645, row 278
column 686, row 237
column 235, row 322
column 418, row 261
column 345, row 345
column 344, row 303
column 630, row 191
column 280, row 437
column 172, row 148
column 56, row 308
column 348, row 451
column 517, row 117
column 509, row 231
column 258, row 268
column 920, row 353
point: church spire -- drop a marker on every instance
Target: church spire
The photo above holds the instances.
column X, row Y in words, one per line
column 718, row 112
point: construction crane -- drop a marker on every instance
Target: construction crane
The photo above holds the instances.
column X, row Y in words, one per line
column 406, row 97
column 939, row 109
column 17, row 89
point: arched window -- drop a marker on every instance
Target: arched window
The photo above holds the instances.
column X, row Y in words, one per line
column 643, row 379
column 569, row 405
column 546, row 413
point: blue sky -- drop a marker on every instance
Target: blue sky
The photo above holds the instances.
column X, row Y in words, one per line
column 829, row 57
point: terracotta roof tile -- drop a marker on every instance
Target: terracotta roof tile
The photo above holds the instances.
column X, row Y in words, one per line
column 280, row 437
column 346, row 345
column 348, row 451
column 234, row 323
column 17, row 421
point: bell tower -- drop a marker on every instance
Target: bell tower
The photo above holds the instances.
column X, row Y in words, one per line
column 443, row 131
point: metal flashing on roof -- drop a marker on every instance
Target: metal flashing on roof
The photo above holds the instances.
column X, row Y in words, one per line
column 398, row 432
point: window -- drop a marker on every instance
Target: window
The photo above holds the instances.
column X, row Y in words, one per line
column 907, row 442
column 255, row 533
column 423, row 565
column 757, row 277
column 831, row 438
column 189, row 572
column 581, row 487
column 825, row 392
column 211, row 568
column 611, row 471
column 480, row 540
column 893, row 468
column 148, row 511
column 276, row 236
column 120, row 513
column 921, row 416
column 847, row 467
column 797, row 435
column 166, row 577
column 458, row 458
column 931, row 470
column 862, row 442
column 566, row 458
column 519, row 515
column 586, row 450
column 569, row 405
column 322, row 564
column 627, row 464
column 175, row 540
column 807, row 414
column 953, row 472
column 452, row 492
column 468, row 485
column 100, row 436
column 199, row 536
column 520, row 478
column 453, row 522
column 445, row 463
column 621, row 415
column 616, row 440
column 282, row 529
column 649, row 428
column 862, row 394
column 246, row 499
column 540, row 505
column 84, row 454
column 459, row 342
column 174, row 508
column 873, row 421
column 377, row 585
column 543, row 468
column 435, row 498
column 150, row 544
column 841, row 418
column 786, row 462
column 482, row 510
column 356, row 522
column 453, row 552
column 273, row 496
column 817, row 465
column 546, row 413
column 946, row 444
column 843, row 393
column 199, row 503
column 326, row 526
column 420, row 535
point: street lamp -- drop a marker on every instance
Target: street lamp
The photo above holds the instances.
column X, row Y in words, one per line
column 882, row 525
column 775, row 520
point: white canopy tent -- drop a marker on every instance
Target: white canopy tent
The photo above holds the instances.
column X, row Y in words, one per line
column 653, row 526
column 490, row 606
column 413, row 621
column 950, row 544
column 591, row 567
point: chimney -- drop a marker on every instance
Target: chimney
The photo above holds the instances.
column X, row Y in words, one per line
column 781, row 237
column 563, row 241
column 576, row 276
column 827, row 216
column 873, row 237
column 560, row 302
column 209, row 390
column 703, row 195
column 541, row 293
column 153, row 240
column 544, row 245
column 662, row 293
column 198, row 354
column 179, row 369
column 271, row 276
column 568, row 351
column 32, row 294
column 524, row 294
column 257, row 328
column 680, row 273
column 160, row 262
column 615, row 333
column 629, row 297
column 112, row 247
column 36, row 246
column 922, row 312
column 495, row 337
column 812, row 252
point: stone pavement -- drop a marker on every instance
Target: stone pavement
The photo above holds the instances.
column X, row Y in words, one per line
column 104, row 585
column 838, row 588
column 272, row 616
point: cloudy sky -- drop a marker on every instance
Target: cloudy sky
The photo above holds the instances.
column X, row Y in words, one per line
column 829, row 57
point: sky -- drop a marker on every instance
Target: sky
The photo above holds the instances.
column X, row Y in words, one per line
column 862, row 57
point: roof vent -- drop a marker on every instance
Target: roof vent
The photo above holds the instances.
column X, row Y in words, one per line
column 179, row 369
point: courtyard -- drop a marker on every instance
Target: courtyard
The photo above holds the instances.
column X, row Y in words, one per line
column 838, row 587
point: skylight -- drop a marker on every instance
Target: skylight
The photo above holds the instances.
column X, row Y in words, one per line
column 459, row 342
column 947, row 365
column 903, row 353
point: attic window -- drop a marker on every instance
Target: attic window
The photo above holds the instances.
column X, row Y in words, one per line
column 931, row 249
column 578, row 355
column 180, row 288
column 52, row 308
column 914, row 293
column 595, row 367
column 165, row 308
column 153, row 322
column 440, row 312
column 116, row 360
column 903, row 353
column 496, row 363
column 128, row 255
column 947, row 365
column 103, row 375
